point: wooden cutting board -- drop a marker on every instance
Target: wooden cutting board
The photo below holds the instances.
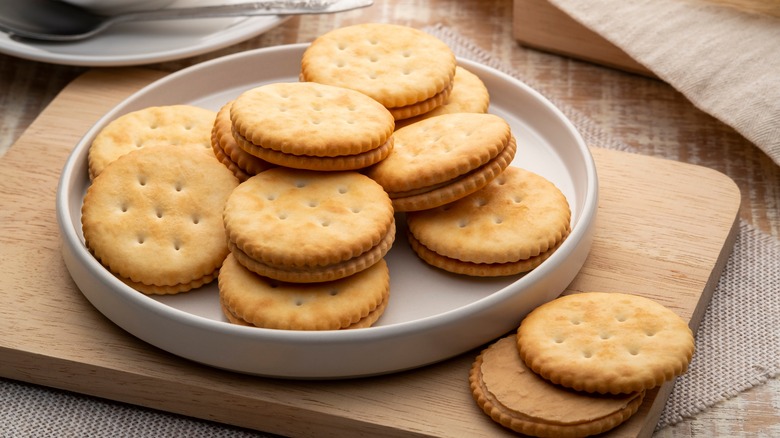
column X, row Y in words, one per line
column 664, row 230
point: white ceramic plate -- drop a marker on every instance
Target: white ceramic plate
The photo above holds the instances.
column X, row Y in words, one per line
column 145, row 43
column 431, row 316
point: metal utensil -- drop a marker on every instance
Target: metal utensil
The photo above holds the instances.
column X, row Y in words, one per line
column 51, row 20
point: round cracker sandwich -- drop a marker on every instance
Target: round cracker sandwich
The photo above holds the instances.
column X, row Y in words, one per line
column 312, row 126
column 356, row 301
column 408, row 71
column 469, row 95
column 520, row 400
column 307, row 226
column 441, row 159
column 507, row 228
column 243, row 164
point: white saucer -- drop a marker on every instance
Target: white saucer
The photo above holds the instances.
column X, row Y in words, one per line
column 145, row 43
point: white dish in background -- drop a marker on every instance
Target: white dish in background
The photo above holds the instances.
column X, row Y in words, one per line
column 140, row 43
column 431, row 316
column 110, row 7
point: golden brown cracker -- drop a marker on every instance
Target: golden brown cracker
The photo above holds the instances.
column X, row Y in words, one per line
column 605, row 342
column 469, row 95
column 152, row 289
column 441, row 159
column 223, row 158
column 437, row 195
column 291, row 219
column 154, row 216
column 333, row 305
column 183, row 125
column 427, row 105
column 314, row 274
column 365, row 322
column 396, row 65
column 311, row 119
column 240, row 162
column 439, row 149
column 309, row 162
column 479, row 269
column 516, row 217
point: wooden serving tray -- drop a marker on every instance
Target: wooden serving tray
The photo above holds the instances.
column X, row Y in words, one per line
column 664, row 231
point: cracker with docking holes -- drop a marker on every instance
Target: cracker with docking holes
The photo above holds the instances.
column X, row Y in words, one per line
column 469, row 95
column 405, row 69
column 183, row 125
column 605, row 342
column 241, row 163
column 444, row 158
column 153, row 217
column 518, row 399
column 307, row 226
column 351, row 302
column 507, row 228
column 312, row 126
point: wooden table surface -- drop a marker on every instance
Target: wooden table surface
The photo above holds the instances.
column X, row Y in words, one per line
column 646, row 114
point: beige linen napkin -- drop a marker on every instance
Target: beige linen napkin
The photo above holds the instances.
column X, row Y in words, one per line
column 724, row 59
